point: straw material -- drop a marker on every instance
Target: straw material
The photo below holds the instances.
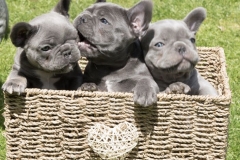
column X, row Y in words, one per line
column 111, row 143
column 50, row 124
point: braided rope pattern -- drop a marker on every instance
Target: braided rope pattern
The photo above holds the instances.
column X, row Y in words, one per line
column 50, row 124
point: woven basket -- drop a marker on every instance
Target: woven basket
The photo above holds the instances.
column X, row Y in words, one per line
column 50, row 124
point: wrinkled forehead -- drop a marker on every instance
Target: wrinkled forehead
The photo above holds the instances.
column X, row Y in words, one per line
column 53, row 27
column 170, row 29
column 52, row 19
column 106, row 9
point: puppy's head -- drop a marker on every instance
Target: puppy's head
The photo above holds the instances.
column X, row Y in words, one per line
column 49, row 40
column 106, row 29
column 169, row 46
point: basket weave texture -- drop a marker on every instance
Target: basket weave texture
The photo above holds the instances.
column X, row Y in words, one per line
column 50, row 124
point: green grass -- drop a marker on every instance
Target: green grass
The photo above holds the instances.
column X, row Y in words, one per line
column 221, row 28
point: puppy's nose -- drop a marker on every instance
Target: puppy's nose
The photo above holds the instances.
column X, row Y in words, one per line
column 182, row 49
column 66, row 54
column 83, row 20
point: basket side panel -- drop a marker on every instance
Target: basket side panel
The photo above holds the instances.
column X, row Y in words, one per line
column 56, row 128
column 54, row 124
column 23, row 131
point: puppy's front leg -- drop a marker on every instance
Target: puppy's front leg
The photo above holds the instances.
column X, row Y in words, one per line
column 15, row 83
column 205, row 87
column 145, row 92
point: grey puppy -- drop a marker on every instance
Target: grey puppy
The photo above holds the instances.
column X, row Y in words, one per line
column 109, row 39
column 47, row 55
column 3, row 19
column 171, row 55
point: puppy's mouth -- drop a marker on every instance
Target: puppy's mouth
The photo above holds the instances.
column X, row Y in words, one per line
column 84, row 42
column 179, row 69
column 68, row 68
column 59, row 69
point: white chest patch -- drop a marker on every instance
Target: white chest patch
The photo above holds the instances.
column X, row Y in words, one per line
column 108, row 85
column 47, row 80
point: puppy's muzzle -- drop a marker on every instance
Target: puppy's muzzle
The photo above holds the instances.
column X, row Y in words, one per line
column 180, row 47
column 182, row 50
column 84, row 19
column 67, row 54
column 66, row 51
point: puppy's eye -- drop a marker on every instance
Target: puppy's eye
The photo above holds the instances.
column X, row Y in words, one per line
column 46, row 48
column 192, row 40
column 104, row 21
column 159, row 44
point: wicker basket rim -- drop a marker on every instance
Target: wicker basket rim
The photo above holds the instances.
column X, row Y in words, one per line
column 46, row 92
column 226, row 96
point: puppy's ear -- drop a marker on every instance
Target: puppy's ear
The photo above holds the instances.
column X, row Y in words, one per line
column 21, row 32
column 97, row 1
column 195, row 18
column 140, row 16
column 62, row 7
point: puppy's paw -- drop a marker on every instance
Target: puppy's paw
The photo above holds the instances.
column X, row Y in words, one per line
column 177, row 88
column 88, row 87
column 144, row 96
column 15, row 86
column 145, row 92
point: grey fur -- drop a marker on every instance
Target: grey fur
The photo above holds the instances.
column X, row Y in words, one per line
column 109, row 39
column 171, row 55
column 3, row 19
column 47, row 55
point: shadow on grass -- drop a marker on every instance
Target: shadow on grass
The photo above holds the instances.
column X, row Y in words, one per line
column 1, row 92
column 1, row 107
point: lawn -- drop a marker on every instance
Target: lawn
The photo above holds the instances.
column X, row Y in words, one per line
column 221, row 28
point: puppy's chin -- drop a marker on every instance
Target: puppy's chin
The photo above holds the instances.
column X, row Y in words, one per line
column 185, row 66
column 65, row 69
column 174, row 73
column 68, row 68
column 87, row 48
column 98, row 53
column 170, row 75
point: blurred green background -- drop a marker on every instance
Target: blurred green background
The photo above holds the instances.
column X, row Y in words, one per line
column 221, row 28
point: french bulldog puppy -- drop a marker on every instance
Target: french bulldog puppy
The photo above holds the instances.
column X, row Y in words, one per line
column 109, row 40
column 171, row 55
column 3, row 19
column 47, row 54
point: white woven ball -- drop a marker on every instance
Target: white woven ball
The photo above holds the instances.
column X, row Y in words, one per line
column 115, row 142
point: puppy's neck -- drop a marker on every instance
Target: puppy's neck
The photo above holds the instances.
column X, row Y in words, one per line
column 132, row 51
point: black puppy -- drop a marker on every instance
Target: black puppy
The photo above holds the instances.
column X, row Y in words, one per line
column 109, row 39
